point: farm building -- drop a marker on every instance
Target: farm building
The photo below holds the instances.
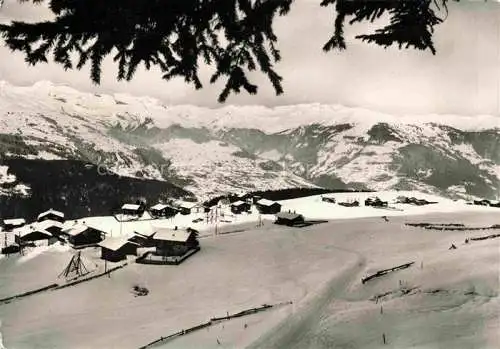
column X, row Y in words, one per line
column 288, row 218
column 133, row 209
column 51, row 215
column 268, row 207
column 175, row 242
column 31, row 233
column 162, row 210
column 82, row 235
column 115, row 249
column 9, row 224
column 239, row 207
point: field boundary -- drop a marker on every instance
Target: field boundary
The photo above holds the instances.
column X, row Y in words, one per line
column 214, row 321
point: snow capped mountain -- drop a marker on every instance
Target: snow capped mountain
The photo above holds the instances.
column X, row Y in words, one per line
column 211, row 151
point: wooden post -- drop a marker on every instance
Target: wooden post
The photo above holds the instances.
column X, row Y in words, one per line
column 383, row 338
column 381, row 310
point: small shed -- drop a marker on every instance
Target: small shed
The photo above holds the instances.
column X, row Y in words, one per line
column 162, row 210
column 239, row 207
column 255, row 199
column 175, row 242
column 51, row 215
column 265, row 206
column 81, row 235
column 288, row 218
column 115, row 249
column 132, row 209
column 9, row 224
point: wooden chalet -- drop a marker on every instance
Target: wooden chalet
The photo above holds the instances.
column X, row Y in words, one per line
column 115, row 249
column 240, row 207
column 265, row 206
column 133, row 209
column 375, row 202
column 51, row 215
column 186, row 207
column 162, row 210
column 288, row 218
column 31, row 233
column 14, row 223
column 175, row 242
column 80, row 235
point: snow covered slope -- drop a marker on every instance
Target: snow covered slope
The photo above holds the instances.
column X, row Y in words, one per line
column 211, row 151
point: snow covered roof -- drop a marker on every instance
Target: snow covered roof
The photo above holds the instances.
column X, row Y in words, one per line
column 51, row 211
column 288, row 215
column 47, row 224
column 186, row 204
column 114, row 243
column 238, row 203
column 14, row 221
column 265, row 202
column 159, row 207
column 26, row 230
column 76, row 229
column 133, row 207
column 166, row 234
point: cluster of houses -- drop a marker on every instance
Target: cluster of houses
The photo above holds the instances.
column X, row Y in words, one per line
column 51, row 227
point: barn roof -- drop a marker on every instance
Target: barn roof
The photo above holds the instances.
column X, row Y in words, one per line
column 166, row 234
column 133, row 207
column 115, row 243
column 288, row 215
column 51, row 211
column 186, row 204
column 238, row 203
column 14, row 221
column 266, row 202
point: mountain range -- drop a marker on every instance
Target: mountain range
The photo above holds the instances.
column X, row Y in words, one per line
column 208, row 152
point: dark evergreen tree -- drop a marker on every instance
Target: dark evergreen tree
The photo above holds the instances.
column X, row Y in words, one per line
column 234, row 36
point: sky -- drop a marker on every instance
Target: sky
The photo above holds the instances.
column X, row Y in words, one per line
column 462, row 78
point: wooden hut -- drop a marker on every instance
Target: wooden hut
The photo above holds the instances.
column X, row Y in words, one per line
column 162, row 210
column 81, row 235
column 255, row 199
column 132, row 209
column 288, row 218
column 172, row 242
column 115, row 249
column 265, row 206
column 51, row 215
column 14, row 223
column 239, row 207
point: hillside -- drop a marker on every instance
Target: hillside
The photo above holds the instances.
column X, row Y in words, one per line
column 213, row 151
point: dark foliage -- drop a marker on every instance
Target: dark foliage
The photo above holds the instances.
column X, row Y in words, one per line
column 233, row 36
column 77, row 189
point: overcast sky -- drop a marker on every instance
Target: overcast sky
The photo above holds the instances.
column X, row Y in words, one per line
column 463, row 78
